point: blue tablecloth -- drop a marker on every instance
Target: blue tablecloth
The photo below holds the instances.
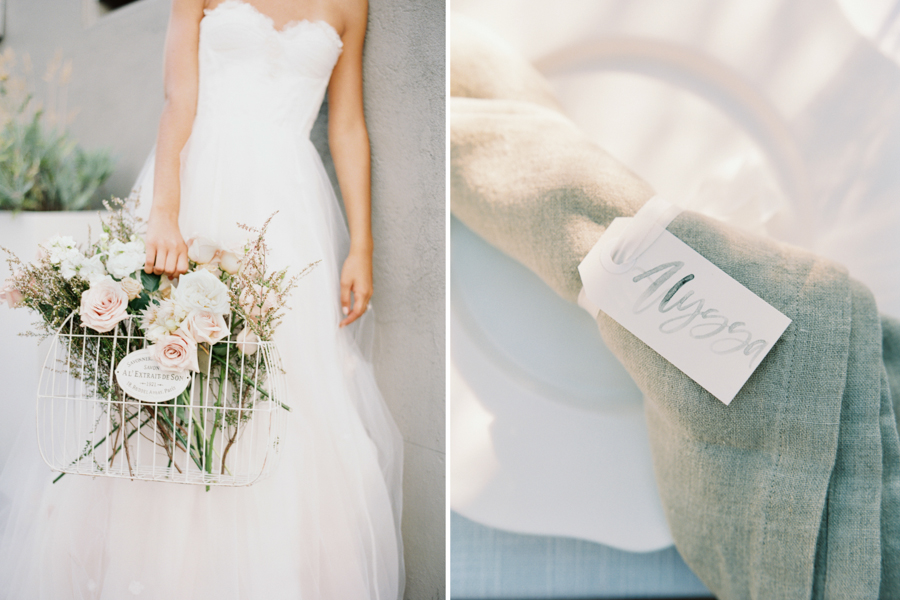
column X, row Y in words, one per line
column 489, row 563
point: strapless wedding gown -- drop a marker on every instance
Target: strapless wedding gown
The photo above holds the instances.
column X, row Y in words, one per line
column 326, row 524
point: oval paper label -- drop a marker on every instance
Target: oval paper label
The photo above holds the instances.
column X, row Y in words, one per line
column 141, row 377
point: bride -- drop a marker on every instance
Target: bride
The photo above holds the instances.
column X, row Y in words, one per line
column 244, row 81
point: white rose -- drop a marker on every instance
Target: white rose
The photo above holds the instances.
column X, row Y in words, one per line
column 103, row 305
column 125, row 259
column 202, row 290
column 92, row 269
column 247, row 341
column 205, row 326
column 176, row 352
column 132, row 287
column 202, row 250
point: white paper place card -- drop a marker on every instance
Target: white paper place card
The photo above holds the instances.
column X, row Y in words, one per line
column 141, row 377
column 688, row 310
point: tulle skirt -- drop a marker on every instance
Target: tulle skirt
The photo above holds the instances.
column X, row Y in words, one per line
column 326, row 524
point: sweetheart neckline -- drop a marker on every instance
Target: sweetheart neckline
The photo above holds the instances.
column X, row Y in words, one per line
column 287, row 27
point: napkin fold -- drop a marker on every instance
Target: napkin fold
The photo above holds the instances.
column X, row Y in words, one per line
column 791, row 491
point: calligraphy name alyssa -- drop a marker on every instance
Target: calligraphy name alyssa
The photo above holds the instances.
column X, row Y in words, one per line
column 692, row 315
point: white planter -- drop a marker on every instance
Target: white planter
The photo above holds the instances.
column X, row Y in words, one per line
column 21, row 357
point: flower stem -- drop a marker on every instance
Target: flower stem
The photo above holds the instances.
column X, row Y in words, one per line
column 253, row 383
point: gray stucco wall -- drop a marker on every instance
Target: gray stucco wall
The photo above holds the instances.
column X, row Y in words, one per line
column 116, row 86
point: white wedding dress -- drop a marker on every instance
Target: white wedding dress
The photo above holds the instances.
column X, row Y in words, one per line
column 326, row 524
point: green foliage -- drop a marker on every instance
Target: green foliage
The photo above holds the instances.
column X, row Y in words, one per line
column 150, row 281
column 139, row 303
column 42, row 169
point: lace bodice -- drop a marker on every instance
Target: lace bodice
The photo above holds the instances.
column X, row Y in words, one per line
column 253, row 73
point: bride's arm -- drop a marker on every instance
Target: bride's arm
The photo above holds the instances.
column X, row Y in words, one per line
column 349, row 142
column 166, row 250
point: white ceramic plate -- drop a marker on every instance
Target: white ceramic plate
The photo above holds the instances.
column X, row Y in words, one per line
column 774, row 115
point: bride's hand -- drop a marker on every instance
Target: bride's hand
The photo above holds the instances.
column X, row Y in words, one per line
column 356, row 277
column 166, row 250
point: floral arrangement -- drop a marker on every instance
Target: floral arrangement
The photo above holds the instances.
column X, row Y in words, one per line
column 205, row 327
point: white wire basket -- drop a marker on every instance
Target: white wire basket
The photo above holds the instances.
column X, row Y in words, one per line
column 226, row 428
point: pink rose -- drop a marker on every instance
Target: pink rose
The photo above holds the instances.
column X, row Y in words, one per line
column 264, row 296
column 103, row 305
column 229, row 262
column 132, row 287
column 8, row 293
column 176, row 352
column 205, row 326
column 212, row 268
column 247, row 342
column 203, row 250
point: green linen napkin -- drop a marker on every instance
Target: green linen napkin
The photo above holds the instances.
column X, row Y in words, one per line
column 793, row 490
